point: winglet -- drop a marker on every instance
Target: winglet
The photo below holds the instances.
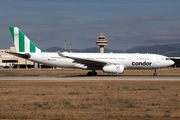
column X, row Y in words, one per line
column 60, row 54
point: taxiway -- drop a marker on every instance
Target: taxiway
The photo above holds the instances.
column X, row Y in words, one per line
column 83, row 77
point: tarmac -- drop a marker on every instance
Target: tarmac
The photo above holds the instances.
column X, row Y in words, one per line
column 84, row 77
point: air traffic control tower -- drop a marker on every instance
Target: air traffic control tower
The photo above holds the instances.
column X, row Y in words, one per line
column 101, row 42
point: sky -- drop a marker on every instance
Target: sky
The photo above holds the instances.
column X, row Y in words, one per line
column 124, row 23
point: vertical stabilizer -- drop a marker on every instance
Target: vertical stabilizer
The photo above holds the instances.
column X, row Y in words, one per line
column 22, row 43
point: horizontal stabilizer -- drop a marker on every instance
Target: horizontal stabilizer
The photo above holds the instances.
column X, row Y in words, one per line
column 26, row 55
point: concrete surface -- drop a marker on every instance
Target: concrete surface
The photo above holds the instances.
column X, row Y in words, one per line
column 83, row 77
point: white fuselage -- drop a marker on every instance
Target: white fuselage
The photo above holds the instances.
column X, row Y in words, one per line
column 129, row 61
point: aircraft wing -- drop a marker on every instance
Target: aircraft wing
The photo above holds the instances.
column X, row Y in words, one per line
column 87, row 62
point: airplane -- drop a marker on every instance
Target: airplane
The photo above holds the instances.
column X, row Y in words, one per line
column 107, row 62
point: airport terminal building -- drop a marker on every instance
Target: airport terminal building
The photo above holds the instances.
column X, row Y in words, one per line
column 7, row 60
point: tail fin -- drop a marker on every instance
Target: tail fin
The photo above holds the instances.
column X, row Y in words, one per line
column 22, row 43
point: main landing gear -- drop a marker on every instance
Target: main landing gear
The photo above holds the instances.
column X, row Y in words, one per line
column 92, row 73
column 155, row 74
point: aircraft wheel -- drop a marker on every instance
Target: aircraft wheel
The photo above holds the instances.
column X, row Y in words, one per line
column 155, row 74
column 89, row 73
column 95, row 73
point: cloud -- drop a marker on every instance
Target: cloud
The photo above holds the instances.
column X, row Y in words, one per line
column 139, row 20
column 178, row 28
column 91, row 26
column 148, row 37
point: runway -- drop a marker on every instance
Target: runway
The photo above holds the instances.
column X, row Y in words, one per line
column 83, row 77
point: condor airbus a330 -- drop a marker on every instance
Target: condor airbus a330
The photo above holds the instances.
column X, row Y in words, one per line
column 108, row 62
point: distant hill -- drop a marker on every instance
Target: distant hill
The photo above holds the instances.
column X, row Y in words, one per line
column 87, row 50
column 170, row 50
column 54, row 49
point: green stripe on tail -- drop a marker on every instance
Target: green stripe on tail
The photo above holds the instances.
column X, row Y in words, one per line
column 32, row 48
column 12, row 32
column 23, row 44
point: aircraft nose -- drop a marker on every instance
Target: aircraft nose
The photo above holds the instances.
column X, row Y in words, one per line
column 172, row 62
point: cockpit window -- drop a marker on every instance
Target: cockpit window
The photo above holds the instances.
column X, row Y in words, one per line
column 167, row 59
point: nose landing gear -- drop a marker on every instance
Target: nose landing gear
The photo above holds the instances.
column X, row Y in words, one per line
column 155, row 72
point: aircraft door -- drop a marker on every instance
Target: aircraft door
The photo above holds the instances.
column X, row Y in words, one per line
column 45, row 57
column 158, row 59
column 133, row 58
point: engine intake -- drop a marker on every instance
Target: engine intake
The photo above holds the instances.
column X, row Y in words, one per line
column 113, row 69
